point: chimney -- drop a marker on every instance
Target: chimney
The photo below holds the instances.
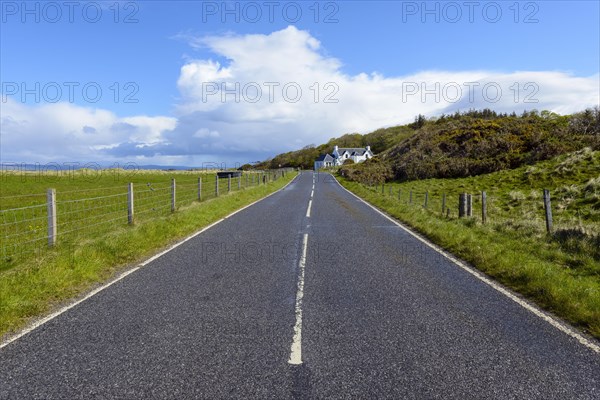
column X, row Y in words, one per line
column 335, row 149
column 368, row 148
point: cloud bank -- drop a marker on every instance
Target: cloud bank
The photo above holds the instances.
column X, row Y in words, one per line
column 273, row 93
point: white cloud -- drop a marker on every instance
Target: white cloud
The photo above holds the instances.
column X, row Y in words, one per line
column 363, row 102
column 67, row 132
column 255, row 117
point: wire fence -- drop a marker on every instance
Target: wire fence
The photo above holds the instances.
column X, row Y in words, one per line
column 535, row 211
column 66, row 217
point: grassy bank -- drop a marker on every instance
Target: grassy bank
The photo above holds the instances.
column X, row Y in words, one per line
column 73, row 267
column 560, row 272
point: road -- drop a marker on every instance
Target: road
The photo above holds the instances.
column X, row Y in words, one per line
column 309, row 293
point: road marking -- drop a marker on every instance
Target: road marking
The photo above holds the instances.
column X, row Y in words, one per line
column 296, row 349
column 66, row 308
column 529, row 307
column 308, row 209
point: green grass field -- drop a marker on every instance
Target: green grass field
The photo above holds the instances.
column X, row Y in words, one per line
column 91, row 203
column 560, row 271
column 94, row 240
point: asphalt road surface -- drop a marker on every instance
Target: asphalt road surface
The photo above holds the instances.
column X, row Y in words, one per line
column 300, row 296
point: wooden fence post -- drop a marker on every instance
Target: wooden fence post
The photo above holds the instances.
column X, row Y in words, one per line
column 483, row 207
column 548, row 209
column 199, row 188
column 130, row 203
column 217, row 185
column 462, row 205
column 52, row 231
column 239, row 182
column 410, row 198
column 469, row 205
column 399, row 192
column 228, row 183
column 173, row 194
column 426, row 199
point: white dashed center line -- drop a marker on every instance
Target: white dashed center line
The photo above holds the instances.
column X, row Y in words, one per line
column 296, row 350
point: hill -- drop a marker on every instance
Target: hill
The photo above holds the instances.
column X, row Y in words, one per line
column 458, row 145
column 379, row 140
column 476, row 143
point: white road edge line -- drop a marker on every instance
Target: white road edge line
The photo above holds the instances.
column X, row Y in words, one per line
column 529, row 307
column 308, row 209
column 66, row 308
column 296, row 349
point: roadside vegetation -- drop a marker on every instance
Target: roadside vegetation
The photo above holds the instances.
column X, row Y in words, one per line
column 559, row 271
column 45, row 279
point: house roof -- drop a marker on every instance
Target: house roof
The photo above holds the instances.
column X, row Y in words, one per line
column 324, row 157
column 353, row 151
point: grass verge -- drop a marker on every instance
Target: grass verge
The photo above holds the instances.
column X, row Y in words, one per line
column 74, row 268
column 531, row 265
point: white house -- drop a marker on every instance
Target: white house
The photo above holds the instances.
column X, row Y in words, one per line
column 341, row 154
column 324, row 161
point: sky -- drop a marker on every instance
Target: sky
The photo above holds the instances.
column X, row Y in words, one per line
column 194, row 83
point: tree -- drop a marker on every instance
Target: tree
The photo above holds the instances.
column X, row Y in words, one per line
column 419, row 121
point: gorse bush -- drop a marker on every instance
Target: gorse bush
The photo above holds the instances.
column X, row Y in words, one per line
column 468, row 146
column 371, row 172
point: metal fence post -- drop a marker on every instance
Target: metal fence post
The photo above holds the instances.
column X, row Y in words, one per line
column 217, row 185
column 173, row 189
column 548, row 209
column 228, row 183
column 239, row 182
column 52, row 231
column 130, row 203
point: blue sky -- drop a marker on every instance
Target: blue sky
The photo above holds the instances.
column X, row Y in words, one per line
column 380, row 58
